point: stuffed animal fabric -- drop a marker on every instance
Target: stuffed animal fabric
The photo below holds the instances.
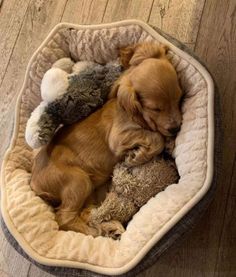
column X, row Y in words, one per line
column 131, row 188
column 70, row 92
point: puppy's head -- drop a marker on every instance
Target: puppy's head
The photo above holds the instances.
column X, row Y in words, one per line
column 135, row 54
column 149, row 89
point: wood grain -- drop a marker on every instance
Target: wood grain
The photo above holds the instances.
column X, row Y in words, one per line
column 189, row 257
column 126, row 9
column 35, row 271
column 209, row 250
column 218, row 29
column 11, row 263
column 179, row 18
column 85, row 11
column 40, row 19
column 79, row 12
column 225, row 265
column 12, row 14
column 41, row 16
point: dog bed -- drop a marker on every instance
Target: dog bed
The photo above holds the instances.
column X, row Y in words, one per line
column 32, row 222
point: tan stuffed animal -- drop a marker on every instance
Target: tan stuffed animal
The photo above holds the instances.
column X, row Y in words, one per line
column 130, row 189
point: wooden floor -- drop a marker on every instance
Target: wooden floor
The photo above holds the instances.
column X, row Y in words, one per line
column 206, row 26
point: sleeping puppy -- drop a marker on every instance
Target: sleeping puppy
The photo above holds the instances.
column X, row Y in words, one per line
column 142, row 110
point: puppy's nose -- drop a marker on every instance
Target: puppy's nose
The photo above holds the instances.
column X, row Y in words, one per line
column 174, row 130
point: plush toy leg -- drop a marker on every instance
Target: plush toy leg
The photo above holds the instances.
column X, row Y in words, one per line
column 33, row 129
column 110, row 228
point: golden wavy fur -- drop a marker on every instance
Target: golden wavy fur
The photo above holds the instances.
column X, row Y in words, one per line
column 143, row 108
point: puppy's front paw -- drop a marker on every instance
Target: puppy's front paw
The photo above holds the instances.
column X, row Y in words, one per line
column 170, row 145
column 130, row 158
column 133, row 158
column 137, row 156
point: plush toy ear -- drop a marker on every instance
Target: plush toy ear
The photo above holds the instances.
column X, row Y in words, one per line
column 54, row 84
column 65, row 64
column 134, row 55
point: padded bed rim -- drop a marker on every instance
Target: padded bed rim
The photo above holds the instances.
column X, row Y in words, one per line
column 187, row 207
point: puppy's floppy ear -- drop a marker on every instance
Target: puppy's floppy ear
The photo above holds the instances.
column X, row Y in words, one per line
column 114, row 89
column 128, row 99
column 148, row 50
column 135, row 54
column 126, row 95
column 165, row 48
column 126, row 54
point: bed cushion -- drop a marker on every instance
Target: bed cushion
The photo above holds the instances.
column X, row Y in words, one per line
column 32, row 222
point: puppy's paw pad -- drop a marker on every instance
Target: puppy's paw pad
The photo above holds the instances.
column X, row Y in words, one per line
column 130, row 159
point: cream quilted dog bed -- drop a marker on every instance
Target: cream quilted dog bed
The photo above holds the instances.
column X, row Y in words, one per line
column 32, row 222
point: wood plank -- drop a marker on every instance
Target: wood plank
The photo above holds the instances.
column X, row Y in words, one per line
column 40, row 19
column 203, row 253
column 219, row 53
column 188, row 257
column 11, row 263
column 35, row 271
column 226, row 265
column 79, row 12
column 197, row 256
column 126, row 9
column 85, row 11
column 12, row 14
column 179, row 18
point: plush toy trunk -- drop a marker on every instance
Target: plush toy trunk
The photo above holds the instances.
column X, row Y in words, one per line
column 30, row 224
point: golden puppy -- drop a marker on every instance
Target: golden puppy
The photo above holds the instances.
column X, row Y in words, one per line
column 143, row 108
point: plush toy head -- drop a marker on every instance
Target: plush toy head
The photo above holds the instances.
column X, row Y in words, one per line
column 70, row 92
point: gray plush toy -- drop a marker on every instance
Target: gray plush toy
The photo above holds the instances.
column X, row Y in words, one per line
column 70, row 92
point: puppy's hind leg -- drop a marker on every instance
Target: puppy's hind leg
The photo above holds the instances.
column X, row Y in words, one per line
column 76, row 191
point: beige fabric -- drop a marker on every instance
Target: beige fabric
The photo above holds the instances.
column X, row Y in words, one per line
column 32, row 222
